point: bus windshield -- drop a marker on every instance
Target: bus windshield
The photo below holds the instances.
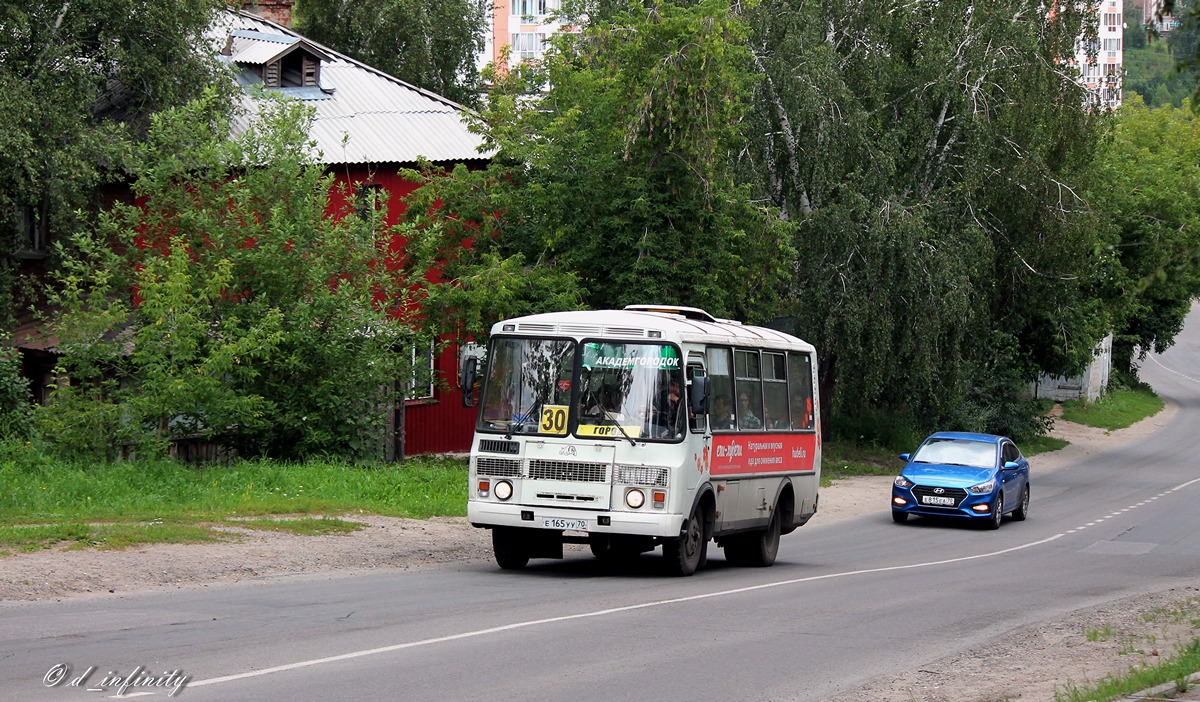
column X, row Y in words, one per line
column 631, row 391
column 526, row 380
column 624, row 390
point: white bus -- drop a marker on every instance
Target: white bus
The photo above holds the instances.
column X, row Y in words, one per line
column 653, row 425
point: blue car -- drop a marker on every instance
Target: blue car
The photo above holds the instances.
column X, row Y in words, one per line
column 959, row 474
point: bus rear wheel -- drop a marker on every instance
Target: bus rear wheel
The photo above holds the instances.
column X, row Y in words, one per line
column 509, row 547
column 685, row 553
column 758, row 549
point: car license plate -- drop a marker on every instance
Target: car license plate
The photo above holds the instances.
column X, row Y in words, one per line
column 937, row 500
column 555, row 523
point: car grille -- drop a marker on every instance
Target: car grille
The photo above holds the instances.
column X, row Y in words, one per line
column 568, row 470
column 920, row 491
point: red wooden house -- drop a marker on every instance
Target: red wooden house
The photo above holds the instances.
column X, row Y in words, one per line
column 367, row 126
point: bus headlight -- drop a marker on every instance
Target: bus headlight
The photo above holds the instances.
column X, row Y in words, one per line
column 635, row 498
column 503, row 490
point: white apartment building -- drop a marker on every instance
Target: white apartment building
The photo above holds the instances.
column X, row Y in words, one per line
column 524, row 25
column 1101, row 63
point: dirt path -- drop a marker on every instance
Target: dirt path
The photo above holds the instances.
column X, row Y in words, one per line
column 1035, row 662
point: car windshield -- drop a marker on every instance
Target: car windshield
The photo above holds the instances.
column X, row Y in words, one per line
column 959, row 452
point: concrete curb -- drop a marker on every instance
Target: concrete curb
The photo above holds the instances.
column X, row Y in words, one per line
column 1166, row 691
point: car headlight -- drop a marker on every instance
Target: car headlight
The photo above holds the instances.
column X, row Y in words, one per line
column 902, row 482
column 983, row 488
column 503, row 490
column 635, row 498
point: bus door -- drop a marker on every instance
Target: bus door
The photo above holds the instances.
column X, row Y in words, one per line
column 698, row 406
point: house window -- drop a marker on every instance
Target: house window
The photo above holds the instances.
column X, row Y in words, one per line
column 420, row 381
column 528, row 46
column 32, row 230
column 368, row 201
column 1112, row 45
column 533, row 8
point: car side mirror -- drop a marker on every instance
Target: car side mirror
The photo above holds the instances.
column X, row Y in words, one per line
column 904, row 457
column 1011, row 465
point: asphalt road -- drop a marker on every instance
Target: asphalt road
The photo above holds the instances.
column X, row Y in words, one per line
column 846, row 602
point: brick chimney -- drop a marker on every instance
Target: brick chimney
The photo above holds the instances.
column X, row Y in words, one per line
column 277, row 11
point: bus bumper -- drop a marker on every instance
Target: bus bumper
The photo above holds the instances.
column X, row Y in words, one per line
column 489, row 514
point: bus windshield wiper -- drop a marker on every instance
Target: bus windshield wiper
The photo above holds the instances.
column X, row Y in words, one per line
column 512, row 423
column 617, row 423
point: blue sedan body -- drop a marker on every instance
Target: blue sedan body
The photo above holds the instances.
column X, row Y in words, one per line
column 961, row 474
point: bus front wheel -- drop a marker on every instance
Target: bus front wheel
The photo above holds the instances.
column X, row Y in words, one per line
column 510, row 548
column 685, row 553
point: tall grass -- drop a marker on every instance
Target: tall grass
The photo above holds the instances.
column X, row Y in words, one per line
column 39, row 488
column 1117, row 409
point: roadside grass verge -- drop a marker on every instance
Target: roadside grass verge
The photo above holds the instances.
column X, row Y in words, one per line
column 1116, row 409
column 47, row 502
column 116, row 536
column 1177, row 669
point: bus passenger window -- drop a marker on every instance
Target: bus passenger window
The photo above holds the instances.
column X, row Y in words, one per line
column 800, row 390
column 775, row 392
column 720, row 375
column 749, row 390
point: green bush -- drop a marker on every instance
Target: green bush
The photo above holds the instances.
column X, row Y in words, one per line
column 14, row 396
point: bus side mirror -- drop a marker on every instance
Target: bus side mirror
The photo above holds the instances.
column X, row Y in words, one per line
column 466, row 380
column 698, row 397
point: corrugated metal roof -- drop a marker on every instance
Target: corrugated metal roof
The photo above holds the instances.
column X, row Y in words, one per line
column 362, row 115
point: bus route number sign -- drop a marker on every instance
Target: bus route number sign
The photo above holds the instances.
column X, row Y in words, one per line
column 554, row 420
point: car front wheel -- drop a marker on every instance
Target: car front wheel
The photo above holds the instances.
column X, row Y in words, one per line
column 899, row 517
column 1022, row 511
column 997, row 512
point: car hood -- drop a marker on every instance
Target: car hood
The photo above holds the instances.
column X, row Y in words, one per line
column 942, row 475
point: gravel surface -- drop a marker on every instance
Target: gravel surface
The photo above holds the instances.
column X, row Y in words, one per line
column 1036, row 661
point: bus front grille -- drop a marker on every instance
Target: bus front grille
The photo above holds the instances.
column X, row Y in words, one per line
column 574, row 471
column 498, row 467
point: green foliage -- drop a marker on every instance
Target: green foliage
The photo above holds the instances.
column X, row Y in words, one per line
column 432, row 44
column 612, row 179
column 1152, row 71
column 227, row 304
column 1145, row 184
column 65, row 80
column 927, row 153
column 14, row 396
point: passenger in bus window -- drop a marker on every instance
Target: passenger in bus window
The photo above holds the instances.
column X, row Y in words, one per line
column 671, row 410
column 775, row 415
column 722, row 414
column 802, row 411
column 746, row 417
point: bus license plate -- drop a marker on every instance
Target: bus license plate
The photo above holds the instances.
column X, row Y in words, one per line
column 555, row 523
column 939, row 501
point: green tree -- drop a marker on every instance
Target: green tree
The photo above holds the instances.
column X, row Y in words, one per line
column 77, row 80
column 227, row 303
column 613, row 166
column 1146, row 184
column 432, row 44
column 925, row 152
